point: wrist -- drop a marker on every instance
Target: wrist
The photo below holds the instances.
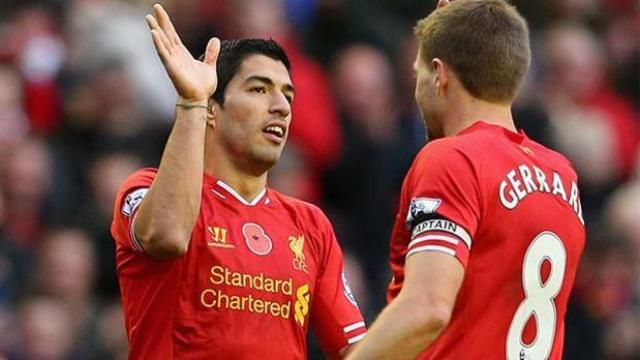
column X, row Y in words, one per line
column 192, row 104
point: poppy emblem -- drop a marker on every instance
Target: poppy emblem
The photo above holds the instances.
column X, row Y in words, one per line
column 257, row 239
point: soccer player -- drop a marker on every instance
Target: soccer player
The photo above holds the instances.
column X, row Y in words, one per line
column 489, row 231
column 213, row 264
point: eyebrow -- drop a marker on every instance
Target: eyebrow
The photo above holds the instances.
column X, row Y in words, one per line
column 268, row 81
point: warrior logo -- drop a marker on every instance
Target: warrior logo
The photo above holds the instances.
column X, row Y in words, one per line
column 218, row 237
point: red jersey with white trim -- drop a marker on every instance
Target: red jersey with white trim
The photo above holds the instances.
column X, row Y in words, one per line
column 254, row 278
column 508, row 209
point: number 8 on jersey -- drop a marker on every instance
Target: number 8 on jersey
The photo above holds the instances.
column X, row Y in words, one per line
column 539, row 296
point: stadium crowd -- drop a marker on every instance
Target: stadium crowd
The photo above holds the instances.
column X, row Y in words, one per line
column 84, row 102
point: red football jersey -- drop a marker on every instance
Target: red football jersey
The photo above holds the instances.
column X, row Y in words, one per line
column 508, row 209
column 254, row 277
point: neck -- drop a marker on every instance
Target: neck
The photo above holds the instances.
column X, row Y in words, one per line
column 219, row 164
column 466, row 110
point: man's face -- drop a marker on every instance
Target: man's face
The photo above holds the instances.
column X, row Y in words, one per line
column 253, row 124
column 426, row 97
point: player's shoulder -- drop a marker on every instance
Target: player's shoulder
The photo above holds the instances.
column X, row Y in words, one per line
column 300, row 206
column 140, row 177
column 133, row 189
column 451, row 152
column 301, row 209
column 553, row 158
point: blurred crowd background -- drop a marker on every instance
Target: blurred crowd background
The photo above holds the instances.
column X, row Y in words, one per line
column 84, row 102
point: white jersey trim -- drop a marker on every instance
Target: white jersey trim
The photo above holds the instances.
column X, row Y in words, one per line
column 434, row 237
column 132, row 233
column 219, row 194
column 356, row 338
column 352, row 327
column 431, row 248
column 236, row 195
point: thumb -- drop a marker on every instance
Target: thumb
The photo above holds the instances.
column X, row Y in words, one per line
column 212, row 52
column 442, row 3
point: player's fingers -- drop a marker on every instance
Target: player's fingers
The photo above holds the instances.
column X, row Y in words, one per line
column 162, row 50
column 442, row 3
column 166, row 24
column 212, row 52
column 153, row 25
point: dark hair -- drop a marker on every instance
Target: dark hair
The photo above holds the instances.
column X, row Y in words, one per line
column 486, row 42
column 234, row 52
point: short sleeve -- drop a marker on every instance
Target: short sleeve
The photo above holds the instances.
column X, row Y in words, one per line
column 335, row 317
column 128, row 200
column 444, row 207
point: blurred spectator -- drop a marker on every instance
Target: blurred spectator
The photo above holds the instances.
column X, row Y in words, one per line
column 595, row 127
column 358, row 281
column 105, row 176
column 115, row 30
column 365, row 183
column 32, row 41
column 25, row 172
column 622, row 212
column 103, row 115
column 14, row 124
column 65, row 270
column 14, row 263
column 45, row 330
column 623, row 53
column 622, row 341
column 291, row 175
column 111, row 335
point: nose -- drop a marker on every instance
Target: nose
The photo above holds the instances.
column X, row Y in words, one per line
column 280, row 105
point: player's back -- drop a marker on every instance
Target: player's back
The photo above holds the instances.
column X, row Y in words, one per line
column 525, row 246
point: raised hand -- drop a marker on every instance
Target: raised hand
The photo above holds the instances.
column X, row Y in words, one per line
column 194, row 80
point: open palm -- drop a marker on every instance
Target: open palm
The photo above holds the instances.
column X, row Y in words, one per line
column 194, row 80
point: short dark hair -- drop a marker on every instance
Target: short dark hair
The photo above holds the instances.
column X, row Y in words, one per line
column 234, row 52
column 486, row 42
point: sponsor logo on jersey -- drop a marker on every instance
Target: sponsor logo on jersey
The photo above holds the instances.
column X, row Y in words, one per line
column 347, row 290
column 218, row 237
column 301, row 306
column 296, row 244
column 228, row 290
column 270, row 295
column 420, row 207
column 133, row 200
column 257, row 239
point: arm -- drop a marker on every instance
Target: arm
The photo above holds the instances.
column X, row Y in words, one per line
column 421, row 311
column 335, row 317
column 166, row 217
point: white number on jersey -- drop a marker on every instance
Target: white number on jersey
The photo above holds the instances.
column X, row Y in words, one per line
column 538, row 301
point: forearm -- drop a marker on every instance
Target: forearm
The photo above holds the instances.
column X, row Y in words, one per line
column 402, row 331
column 168, row 213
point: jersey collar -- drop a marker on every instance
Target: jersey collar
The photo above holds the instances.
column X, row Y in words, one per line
column 231, row 191
column 224, row 191
column 519, row 137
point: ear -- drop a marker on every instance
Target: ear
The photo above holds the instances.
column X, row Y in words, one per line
column 212, row 113
column 441, row 78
